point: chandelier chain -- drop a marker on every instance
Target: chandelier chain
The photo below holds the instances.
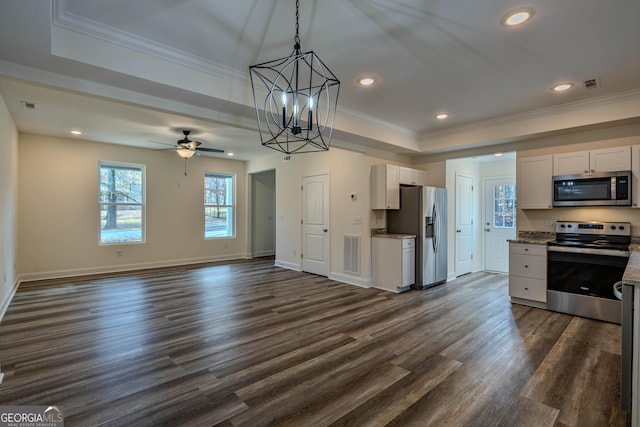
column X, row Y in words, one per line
column 297, row 37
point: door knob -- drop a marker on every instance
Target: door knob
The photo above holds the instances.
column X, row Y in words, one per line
column 325, row 230
column 487, row 229
column 458, row 231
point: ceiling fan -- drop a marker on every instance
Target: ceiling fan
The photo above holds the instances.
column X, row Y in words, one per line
column 187, row 148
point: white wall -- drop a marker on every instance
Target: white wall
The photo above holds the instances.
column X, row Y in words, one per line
column 8, row 206
column 349, row 173
column 544, row 219
column 59, row 220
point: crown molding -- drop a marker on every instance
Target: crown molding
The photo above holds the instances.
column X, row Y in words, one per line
column 536, row 114
column 62, row 18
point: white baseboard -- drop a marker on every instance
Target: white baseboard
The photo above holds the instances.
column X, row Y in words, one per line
column 263, row 253
column 287, row 265
column 351, row 280
column 30, row 277
column 7, row 300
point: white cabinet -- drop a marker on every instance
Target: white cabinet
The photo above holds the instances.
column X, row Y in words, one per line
column 393, row 263
column 585, row 162
column 533, row 184
column 528, row 272
column 412, row 176
column 385, row 187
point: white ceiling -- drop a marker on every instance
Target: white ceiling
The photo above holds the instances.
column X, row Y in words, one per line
column 131, row 72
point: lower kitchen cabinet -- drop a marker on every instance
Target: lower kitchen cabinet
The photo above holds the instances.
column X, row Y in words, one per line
column 394, row 262
column 528, row 274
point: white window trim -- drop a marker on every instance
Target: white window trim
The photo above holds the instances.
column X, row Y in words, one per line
column 232, row 206
column 143, row 168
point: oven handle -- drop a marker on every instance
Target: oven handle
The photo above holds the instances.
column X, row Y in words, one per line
column 589, row 251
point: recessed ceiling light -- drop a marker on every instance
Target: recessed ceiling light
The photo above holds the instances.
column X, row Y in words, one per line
column 562, row 87
column 517, row 17
column 498, row 155
column 230, row 154
column 442, row 116
column 75, row 132
column 367, row 81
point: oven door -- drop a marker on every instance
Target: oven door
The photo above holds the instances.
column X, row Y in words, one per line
column 582, row 283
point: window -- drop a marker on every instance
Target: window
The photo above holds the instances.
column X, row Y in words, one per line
column 121, row 203
column 218, row 205
column 504, row 206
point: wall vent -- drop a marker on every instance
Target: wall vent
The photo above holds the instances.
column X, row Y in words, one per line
column 28, row 105
column 592, row 83
column 352, row 254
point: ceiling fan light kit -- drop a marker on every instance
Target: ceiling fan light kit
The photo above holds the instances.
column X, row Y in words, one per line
column 298, row 111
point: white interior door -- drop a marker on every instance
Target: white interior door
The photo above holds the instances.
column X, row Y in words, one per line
column 499, row 222
column 315, row 224
column 464, row 224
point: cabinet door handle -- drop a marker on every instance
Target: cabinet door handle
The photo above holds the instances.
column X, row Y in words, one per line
column 526, row 289
column 526, row 266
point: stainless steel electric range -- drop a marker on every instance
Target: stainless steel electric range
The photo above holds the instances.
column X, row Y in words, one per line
column 583, row 264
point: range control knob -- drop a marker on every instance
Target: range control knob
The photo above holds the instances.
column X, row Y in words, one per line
column 613, row 227
column 621, row 227
column 562, row 225
column 569, row 226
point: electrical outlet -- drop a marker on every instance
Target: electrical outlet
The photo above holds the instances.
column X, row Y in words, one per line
column 119, row 253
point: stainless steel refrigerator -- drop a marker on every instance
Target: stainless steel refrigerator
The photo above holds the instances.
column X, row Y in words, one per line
column 423, row 212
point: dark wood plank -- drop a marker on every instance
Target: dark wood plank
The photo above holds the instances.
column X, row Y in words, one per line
column 246, row 343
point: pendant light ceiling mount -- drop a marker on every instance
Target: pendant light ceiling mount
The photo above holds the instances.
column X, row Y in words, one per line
column 300, row 100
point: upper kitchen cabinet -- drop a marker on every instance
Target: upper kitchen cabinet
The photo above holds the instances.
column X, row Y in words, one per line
column 385, row 187
column 410, row 176
column 586, row 162
column 533, row 184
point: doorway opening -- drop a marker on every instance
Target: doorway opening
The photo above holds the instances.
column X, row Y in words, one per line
column 263, row 212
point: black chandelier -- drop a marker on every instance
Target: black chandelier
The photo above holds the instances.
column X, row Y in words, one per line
column 299, row 108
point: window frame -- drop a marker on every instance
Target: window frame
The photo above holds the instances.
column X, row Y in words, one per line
column 231, row 206
column 514, row 209
column 142, row 204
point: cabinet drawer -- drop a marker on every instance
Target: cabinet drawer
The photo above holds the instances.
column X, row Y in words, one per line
column 528, row 249
column 527, row 288
column 534, row 267
column 408, row 243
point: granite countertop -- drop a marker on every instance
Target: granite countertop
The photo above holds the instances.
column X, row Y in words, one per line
column 532, row 240
column 632, row 273
column 395, row 236
column 534, row 237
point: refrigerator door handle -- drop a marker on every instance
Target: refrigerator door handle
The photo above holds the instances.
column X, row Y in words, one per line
column 436, row 228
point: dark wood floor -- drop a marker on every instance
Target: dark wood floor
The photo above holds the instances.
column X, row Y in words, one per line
column 250, row 344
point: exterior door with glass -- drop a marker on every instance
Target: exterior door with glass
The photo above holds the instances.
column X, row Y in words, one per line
column 499, row 222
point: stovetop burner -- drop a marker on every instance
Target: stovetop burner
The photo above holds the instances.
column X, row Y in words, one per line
column 596, row 235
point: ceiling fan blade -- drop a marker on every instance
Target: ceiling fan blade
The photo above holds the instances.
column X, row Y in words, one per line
column 163, row 143
column 210, row 150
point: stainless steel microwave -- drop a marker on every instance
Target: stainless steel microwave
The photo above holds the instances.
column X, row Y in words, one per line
column 596, row 189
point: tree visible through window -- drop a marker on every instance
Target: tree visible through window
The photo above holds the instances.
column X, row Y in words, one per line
column 504, row 206
column 121, row 203
column 218, row 205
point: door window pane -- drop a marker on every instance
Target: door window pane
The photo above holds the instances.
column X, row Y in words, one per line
column 504, row 206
